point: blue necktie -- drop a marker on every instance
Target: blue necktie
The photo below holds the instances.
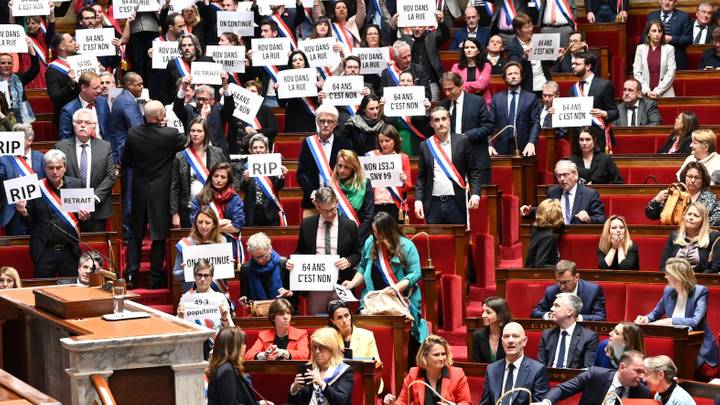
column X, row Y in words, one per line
column 666, row 21
column 561, row 353
column 508, row 384
column 568, row 209
column 511, row 112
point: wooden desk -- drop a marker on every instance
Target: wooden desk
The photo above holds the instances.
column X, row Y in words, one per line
column 15, row 391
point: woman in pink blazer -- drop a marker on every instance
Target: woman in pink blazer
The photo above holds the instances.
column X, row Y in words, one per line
column 474, row 69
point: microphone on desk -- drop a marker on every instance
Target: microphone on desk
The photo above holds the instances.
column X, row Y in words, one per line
column 104, row 273
column 517, row 146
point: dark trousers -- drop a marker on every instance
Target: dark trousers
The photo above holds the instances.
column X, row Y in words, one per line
column 138, row 52
column 54, row 262
column 261, row 218
column 485, row 177
column 184, row 214
column 126, row 189
column 93, row 225
column 445, row 212
column 605, row 14
column 157, row 255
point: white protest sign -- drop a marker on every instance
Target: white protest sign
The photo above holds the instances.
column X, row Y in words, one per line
column 270, row 51
column 343, row 90
column 22, row 188
column 172, row 120
column 572, row 112
column 122, row 9
column 220, row 255
column 22, row 8
column 270, row 3
column 206, row 73
column 180, row 5
column 404, row 101
column 12, row 144
column 200, row 307
column 344, row 294
column 297, row 83
column 96, row 41
column 247, row 103
column 314, row 272
column 320, row 52
column 77, row 199
column 545, row 46
column 265, row 164
column 241, row 23
column 382, row 170
column 373, row 60
column 12, row 38
column 148, row 6
column 83, row 63
column 416, row 13
column 231, row 57
column 163, row 52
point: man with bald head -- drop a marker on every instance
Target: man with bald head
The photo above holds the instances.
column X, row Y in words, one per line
column 514, row 371
column 149, row 151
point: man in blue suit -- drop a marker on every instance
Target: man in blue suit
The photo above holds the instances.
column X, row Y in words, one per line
column 477, row 25
column 678, row 29
column 89, row 97
column 515, row 113
column 567, row 280
column 514, row 371
column 125, row 113
column 568, row 344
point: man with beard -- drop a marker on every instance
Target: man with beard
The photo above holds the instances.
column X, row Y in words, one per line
column 190, row 51
column 174, row 29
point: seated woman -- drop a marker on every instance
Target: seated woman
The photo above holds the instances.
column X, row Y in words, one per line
column 543, row 250
column 495, row 56
column 265, row 275
column 205, row 230
column 624, row 337
column 616, row 250
column 354, row 189
column 684, row 303
column 697, row 183
column 363, row 128
column 679, row 139
column 661, row 378
column 654, row 64
column 434, row 366
column 283, row 341
column 704, row 150
column 262, row 202
column 486, row 342
column 694, row 241
column 474, row 69
column 393, row 200
column 9, row 278
column 594, row 166
column 325, row 379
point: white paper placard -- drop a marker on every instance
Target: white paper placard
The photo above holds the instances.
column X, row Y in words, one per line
column 231, row 57
column 314, row 272
column 206, row 73
column 163, row 52
column 200, row 307
column 12, row 143
column 172, row 120
column 265, row 164
column 220, row 255
column 270, row 3
column 247, row 103
column 343, row 90
column 22, row 188
column 83, row 63
column 416, row 13
column 545, row 46
column 122, row 9
column 344, row 294
column 382, row 170
column 180, row 5
column 373, row 60
column 96, row 41
column 30, row 7
column 241, row 23
column 572, row 112
column 77, row 199
column 148, row 6
column 404, row 101
column 297, row 83
column 270, row 51
column 12, row 38
column 320, row 52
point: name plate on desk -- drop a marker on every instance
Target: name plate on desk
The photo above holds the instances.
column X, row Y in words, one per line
column 73, row 301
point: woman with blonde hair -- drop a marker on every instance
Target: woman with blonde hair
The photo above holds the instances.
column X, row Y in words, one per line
column 703, row 149
column 661, row 378
column 543, row 250
column 205, row 231
column 325, row 378
column 9, row 278
column 624, row 337
column 616, row 251
column 354, row 191
column 694, row 241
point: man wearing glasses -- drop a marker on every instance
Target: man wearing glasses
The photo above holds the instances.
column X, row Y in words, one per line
column 205, row 106
column 89, row 98
column 567, row 280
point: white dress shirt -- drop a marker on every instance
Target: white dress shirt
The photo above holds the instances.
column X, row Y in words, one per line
column 703, row 36
column 320, row 237
column 78, row 153
column 458, row 113
column 569, row 196
column 568, row 338
column 442, row 185
column 516, row 371
column 613, row 388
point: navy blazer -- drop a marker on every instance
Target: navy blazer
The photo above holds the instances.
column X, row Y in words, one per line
column 124, row 115
column 527, row 120
column 531, row 375
column 581, row 352
column 681, row 29
column 9, row 171
column 516, row 53
column 695, row 319
column 592, row 297
column 65, row 128
column 586, row 199
column 476, row 126
column 594, row 385
column 603, row 98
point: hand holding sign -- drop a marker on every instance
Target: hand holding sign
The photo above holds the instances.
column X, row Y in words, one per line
column 12, row 38
column 404, row 101
column 23, row 188
column 382, row 170
column 219, row 254
column 12, row 143
column 206, row 73
column 313, row 272
column 265, row 164
column 297, row 83
column 77, row 199
column 545, row 46
column 416, row 13
column 572, row 112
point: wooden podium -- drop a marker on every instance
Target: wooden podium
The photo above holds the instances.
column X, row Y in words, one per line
column 156, row 360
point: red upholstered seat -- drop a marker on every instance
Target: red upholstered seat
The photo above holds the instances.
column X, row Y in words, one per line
column 293, row 209
column 523, row 295
column 533, row 343
column 713, row 309
column 476, row 387
column 290, row 149
column 451, row 289
column 638, row 143
column 442, row 248
column 483, row 255
column 663, row 175
column 655, row 346
column 614, row 300
column 632, row 207
column 45, row 131
column 651, row 248
column 580, row 249
column 18, row 256
column 644, row 298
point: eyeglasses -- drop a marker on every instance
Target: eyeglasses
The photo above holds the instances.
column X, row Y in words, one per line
column 203, row 276
column 564, row 282
column 326, row 122
column 328, row 211
column 86, row 123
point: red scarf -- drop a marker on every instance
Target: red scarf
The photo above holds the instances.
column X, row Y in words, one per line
column 222, row 197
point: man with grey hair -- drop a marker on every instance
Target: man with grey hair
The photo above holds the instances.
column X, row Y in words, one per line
column 190, row 51
column 703, row 26
column 107, row 82
column 216, row 114
column 402, row 61
column 568, row 344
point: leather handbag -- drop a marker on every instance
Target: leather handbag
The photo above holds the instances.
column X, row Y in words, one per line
column 677, row 202
column 260, row 307
column 379, row 303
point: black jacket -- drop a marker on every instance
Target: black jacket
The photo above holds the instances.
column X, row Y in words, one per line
column 631, row 261
column 602, row 169
column 708, row 264
column 481, row 347
column 269, row 208
column 543, row 250
column 348, row 243
column 307, row 171
column 337, row 393
column 226, row 387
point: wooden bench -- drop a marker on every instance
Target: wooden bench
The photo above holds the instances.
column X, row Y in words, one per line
column 15, row 391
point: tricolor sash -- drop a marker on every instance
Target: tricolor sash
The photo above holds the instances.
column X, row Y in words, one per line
column 442, row 159
column 344, row 204
column 55, row 203
column 619, row 6
column 60, row 65
column 217, row 210
column 395, row 192
column 383, row 265
column 256, row 125
column 490, row 7
column 22, row 165
column 238, row 251
column 407, row 122
column 577, row 91
column 343, row 35
column 183, row 243
column 38, row 50
column 234, row 78
column 43, row 26
column 284, row 30
column 268, row 189
column 309, row 105
column 182, row 67
column 394, row 74
column 335, row 374
column 197, row 165
column 508, row 8
column 321, row 160
column 272, row 71
column 565, row 10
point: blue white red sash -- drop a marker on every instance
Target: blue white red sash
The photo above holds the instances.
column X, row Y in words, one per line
column 394, row 73
column 565, row 10
column 39, row 51
column 619, row 7
column 272, row 71
column 395, row 193
column 407, row 122
column 508, row 8
column 183, row 243
column 43, row 26
column 22, row 165
column 60, row 65
column 197, row 165
column 321, row 160
column 442, row 159
column 217, row 210
column 577, row 91
column 383, row 264
column 55, row 203
column 182, row 67
column 344, row 204
column 268, row 189
column 343, row 35
column 235, row 239
column 490, row 7
column 256, row 125
column 234, row 78
column 284, row 30
column 309, row 105
column 335, row 374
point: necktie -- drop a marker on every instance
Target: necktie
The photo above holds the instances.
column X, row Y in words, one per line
column 568, row 209
column 453, row 117
column 83, row 165
column 665, row 21
column 91, row 105
column 561, row 353
column 328, row 225
column 511, row 112
column 508, row 384
column 699, row 34
column 582, row 88
column 633, row 116
column 619, row 391
column 547, row 121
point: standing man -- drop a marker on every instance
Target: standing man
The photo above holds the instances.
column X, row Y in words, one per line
column 174, row 29
column 125, row 113
column 426, row 51
column 636, row 111
column 576, row 44
column 606, row 11
column 149, row 151
column 678, row 29
column 268, row 29
column 504, row 13
column 216, row 114
column 568, row 344
column 90, row 160
column 567, row 280
column 703, row 26
column 402, row 61
column 477, row 25
column 89, row 98
column 190, row 51
column 60, row 79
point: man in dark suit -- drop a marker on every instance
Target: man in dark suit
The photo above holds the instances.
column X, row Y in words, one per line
column 515, row 107
column 60, row 79
column 149, row 150
column 514, row 371
column 125, row 113
column 425, row 47
column 89, row 97
column 678, row 29
column 90, row 160
column 703, row 26
column 597, row 382
column 468, row 116
column 636, row 111
column 568, row 344
column 217, row 114
column 324, row 234
column 477, row 25
column 576, row 44
column 567, row 280
column 550, row 90
column 402, row 61
column 604, row 11
column 440, row 197
column 308, row 171
column 190, row 51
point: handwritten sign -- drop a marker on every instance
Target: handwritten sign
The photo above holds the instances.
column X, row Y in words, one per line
column 265, row 164
column 297, row 83
column 239, row 22
column 77, row 199
column 12, row 38
column 404, row 101
column 163, row 52
column 22, row 188
column 545, row 46
column 314, row 272
column 373, row 60
column 270, row 51
column 343, row 90
column 247, row 103
column 12, row 143
column 203, row 307
column 220, row 255
column 172, row 120
column 30, row 7
column 231, row 57
column 383, row 170
column 320, row 52
column 572, row 112
column 206, row 73
column 96, row 41
column 416, row 13
column 83, row 63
